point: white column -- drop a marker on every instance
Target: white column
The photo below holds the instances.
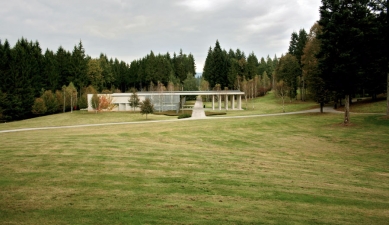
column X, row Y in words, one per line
column 233, row 102
column 240, row 102
column 226, row 102
column 220, row 103
column 213, row 102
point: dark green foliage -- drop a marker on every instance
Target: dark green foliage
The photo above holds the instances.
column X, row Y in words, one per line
column 95, row 101
column 185, row 115
column 50, row 72
column 78, row 67
column 297, row 44
column 190, row 83
column 224, row 69
column 174, row 113
column 63, row 63
column 288, row 70
column 25, row 71
column 216, row 66
column 134, row 99
column 146, row 107
column 262, row 66
column 293, row 43
column 342, row 54
column 252, row 66
column 21, row 78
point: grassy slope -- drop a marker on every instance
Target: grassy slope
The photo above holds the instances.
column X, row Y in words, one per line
column 276, row 170
column 81, row 117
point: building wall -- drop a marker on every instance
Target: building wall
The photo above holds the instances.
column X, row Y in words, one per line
column 161, row 102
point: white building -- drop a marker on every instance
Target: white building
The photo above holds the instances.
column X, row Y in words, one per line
column 164, row 101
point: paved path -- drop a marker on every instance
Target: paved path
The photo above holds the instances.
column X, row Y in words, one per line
column 326, row 110
column 198, row 109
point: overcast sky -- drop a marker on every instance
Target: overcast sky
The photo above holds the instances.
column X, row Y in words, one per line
column 129, row 30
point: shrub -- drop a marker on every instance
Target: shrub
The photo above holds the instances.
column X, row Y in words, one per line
column 51, row 102
column 185, row 115
column 39, row 107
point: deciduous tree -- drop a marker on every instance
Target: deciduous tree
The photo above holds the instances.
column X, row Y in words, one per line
column 282, row 90
column 134, row 99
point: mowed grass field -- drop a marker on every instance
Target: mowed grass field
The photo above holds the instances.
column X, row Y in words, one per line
column 292, row 169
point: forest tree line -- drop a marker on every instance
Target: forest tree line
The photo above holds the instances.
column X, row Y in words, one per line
column 35, row 83
column 234, row 71
column 345, row 55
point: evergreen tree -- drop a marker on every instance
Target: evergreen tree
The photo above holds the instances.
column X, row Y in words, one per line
column 63, row 63
column 262, row 67
column 190, row 83
column 252, row 66
column 107, row 75
column 22, row 81
column 95, row 74
column 345, row 25
column 208, row 73
column 134, row 99
column 310, row 68
column 233, row 73
column 293, row 43
column 50, row 71
column 288, row 70
column 146, row 107
column 78, row 67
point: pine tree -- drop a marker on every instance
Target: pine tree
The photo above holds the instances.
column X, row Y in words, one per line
column 78, row 67
column 50, row 71
column 345, row 25
column 252, row 66
column 146, row 107
column 288, row 70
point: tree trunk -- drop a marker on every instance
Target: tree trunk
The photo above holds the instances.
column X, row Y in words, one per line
column 321, row 107
column 64, row 101
column 283, row 104
column 71, row 103
column 303, row 91
column 387, row 97
column 347, row 110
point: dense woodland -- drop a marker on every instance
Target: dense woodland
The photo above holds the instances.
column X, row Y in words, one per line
column 233, row 70
column 36, row 83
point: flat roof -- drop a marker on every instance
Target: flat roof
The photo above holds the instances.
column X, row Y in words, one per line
column 224, row 92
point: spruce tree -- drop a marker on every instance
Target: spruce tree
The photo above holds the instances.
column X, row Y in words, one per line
column 345, row 25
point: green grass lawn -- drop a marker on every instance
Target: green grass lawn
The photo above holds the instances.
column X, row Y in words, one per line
column 263, row 105
column 292, row 169
column 368, row 106
column 81, row 117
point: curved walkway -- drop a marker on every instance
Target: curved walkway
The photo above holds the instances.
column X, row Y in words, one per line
column 325, row 109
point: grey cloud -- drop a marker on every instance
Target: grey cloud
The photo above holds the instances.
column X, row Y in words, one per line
column 130, row 29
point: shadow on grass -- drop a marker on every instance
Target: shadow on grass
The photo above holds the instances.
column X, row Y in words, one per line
column 182, row 112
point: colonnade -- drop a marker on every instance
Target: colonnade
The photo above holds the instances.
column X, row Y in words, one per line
column 226, row 102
